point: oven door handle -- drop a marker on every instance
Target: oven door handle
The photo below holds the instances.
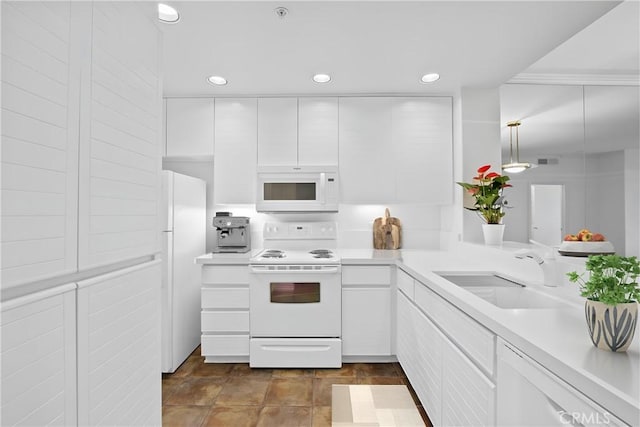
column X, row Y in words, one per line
column 269, row 269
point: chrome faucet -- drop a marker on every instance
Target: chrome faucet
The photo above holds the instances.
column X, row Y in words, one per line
column 548, row 264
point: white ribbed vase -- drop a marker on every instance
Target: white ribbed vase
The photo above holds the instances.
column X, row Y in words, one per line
column 493, row 234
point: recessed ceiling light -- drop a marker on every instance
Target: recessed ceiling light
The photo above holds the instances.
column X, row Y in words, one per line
column 429, row 78
column 321, row 78
column 167, row 13
column 217, row 80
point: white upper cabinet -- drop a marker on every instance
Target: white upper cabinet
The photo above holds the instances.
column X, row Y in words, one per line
column 423, row 149
column 317, row 131
column 235, row 160
column 278, row 131
column 367, row 169
column 189, row 127
column 398, row 147
column 297, row 131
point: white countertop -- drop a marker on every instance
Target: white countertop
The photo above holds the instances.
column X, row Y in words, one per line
column 348, row 256
column 226, row 258
column 369, row 256
column 555, row 338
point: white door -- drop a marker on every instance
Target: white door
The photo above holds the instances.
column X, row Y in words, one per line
column 547, row 212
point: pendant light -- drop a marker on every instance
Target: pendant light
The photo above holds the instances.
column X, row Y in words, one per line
column 517, row 166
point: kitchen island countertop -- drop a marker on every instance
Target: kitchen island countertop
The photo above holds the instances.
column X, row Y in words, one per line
column 556, row 338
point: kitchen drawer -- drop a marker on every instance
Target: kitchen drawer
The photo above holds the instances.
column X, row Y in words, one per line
column 366, row 275
column 225, row 345
column 474, row 339
column 225, row 275
column 225, row 321
column 236, row 297
column 405, row 283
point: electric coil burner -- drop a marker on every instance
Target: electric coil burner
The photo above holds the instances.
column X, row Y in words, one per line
column 295, row 298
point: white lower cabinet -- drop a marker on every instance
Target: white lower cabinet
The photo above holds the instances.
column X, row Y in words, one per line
column 468, row 397
column 530, row 395
column 39, row 359
column 419, row 351
column 366, row 311
column 225, row 313
column 447, row 378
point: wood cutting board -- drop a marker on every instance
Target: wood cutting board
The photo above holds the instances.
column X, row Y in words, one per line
column 387, row 232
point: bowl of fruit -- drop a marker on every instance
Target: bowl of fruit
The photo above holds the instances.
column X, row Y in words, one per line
column 585, row 243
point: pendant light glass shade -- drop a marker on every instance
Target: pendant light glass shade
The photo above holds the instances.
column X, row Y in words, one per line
column 514, row 166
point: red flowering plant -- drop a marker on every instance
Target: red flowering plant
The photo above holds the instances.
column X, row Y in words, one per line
column 487, row 191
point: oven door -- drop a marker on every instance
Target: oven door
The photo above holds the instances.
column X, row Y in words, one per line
column 295, row 301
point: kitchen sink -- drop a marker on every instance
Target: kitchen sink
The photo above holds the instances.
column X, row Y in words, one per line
column 502, row 292
column 479, row 280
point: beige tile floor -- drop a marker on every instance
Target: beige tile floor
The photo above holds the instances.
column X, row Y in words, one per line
column 234, row 395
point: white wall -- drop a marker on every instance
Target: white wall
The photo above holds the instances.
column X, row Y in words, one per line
column 632, row 201
column 480, row 118
column 568, row 172
column 605, row 205
column 420, row 223
column 609, row 189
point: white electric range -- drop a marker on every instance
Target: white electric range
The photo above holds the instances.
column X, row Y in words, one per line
column 296, row 298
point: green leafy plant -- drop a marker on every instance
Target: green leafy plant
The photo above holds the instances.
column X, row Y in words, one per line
column 613, row 279
column 487, row 189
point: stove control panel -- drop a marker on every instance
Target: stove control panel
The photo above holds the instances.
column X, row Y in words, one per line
column 300, row 230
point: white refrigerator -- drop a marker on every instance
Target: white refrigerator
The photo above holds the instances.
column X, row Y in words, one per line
column 184, row 229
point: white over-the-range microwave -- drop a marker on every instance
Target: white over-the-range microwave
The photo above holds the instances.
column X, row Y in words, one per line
column 297, row 189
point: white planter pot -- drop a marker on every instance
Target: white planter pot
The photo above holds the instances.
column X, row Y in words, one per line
column 493, row 234
column 611, row 327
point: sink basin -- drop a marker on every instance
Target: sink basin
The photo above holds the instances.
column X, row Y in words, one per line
column 501, row 292
column 479, row 280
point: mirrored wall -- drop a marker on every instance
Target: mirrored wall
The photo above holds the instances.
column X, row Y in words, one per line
column 584, row 140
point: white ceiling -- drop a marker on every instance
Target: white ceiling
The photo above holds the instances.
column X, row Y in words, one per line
column 369, row 47
column 607, row 49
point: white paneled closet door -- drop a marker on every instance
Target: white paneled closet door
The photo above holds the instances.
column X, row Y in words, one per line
column 39, row 143
column 39, row 359
column 120, row 142
column 119, row 348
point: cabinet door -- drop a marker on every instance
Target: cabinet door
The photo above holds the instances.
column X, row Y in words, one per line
column 317, row 131
column 190, row 124
column 235, row 159
column 278, row 131
column 367, row 169
column 119, row 347
column 422, row 149
column 468, row 397
column 39, row 142
column 120, row 139
column 419, row 351
column 39, row 359
column 366, row 321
